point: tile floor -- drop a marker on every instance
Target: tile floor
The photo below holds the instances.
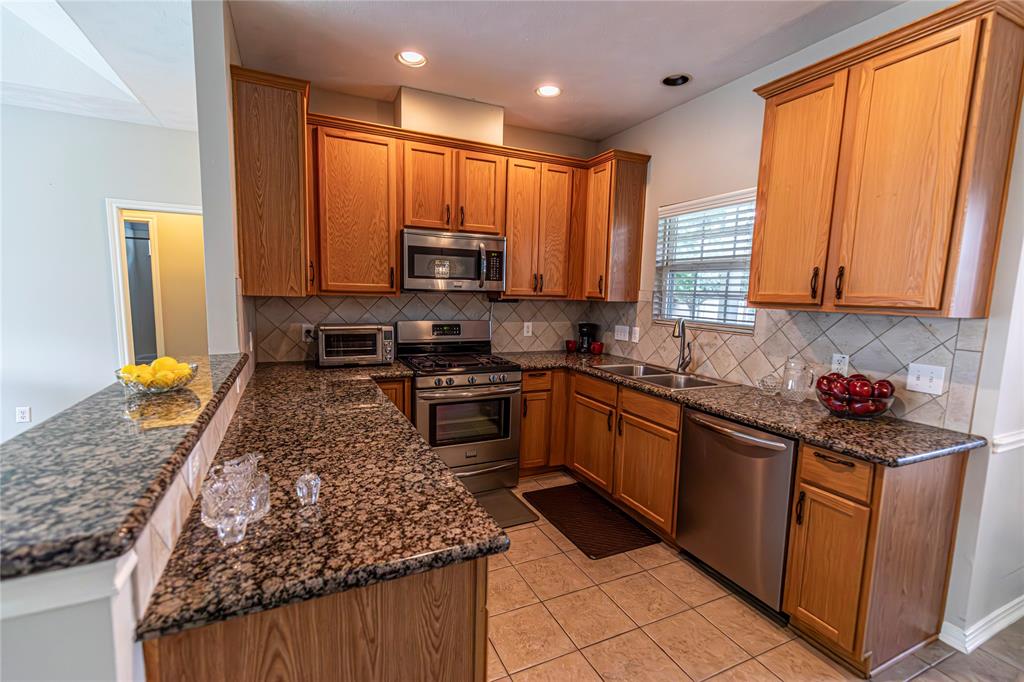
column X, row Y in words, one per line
column 651, row 615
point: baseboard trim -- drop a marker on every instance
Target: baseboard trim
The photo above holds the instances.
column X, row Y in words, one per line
column 967, row 640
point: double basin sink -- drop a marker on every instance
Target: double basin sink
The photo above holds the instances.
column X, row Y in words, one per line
column 659, row 376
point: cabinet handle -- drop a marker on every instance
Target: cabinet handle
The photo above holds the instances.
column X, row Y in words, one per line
column 800, row 509
column 391, row 277
column 462, row 215
column 447, row 214
column 609, row 421
column 312, row 273
column 834, row 460
column 542, row 282
column 526, row 404
column 620, row 425
column 535, row 374
column 839, row 282
column 814, row 283
column 600, row 284
column 535, row 281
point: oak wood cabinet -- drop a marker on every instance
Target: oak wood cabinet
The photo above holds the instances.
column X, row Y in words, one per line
column 357, row 191
column 614, row 230
column 884, row 169
column 592, row 448
column 646, row 466
column 450, row 189
column 428, row 172
column 535, row 432
column 399, row 392
column 538, row 219
column 481, row 195
column 269, row 114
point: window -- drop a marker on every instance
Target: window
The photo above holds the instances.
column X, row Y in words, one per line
column 702, row 263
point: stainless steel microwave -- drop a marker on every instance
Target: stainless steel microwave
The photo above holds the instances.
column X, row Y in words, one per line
column 452, row 261
column 355, row 344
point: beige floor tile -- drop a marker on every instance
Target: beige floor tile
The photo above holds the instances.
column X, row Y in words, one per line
column 748, row 671
column 653, row 555
column 933, row 675
column 643, row 598
column 563, row 543
column 496, row 561
column 688, row 583
column 695, row 645
column 553, row 576
column 506, row 590
column 527, row 637
column 798, row 661
column 589, row 616
column 633, row 657
column 495, row 670
column 935, row 652
column 529, row 544
column 745, row 626
column 570, row 667
column 902, row 670
column 554, row 480
column 980, row 665
column 1008, row 645
column 526, row 485
column 603, row 570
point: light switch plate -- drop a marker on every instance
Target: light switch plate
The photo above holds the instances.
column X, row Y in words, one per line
column 527, row 328
column 925, row 378
column 621, row 332
column 22, row 414
column 636, row 335
column 840, row 363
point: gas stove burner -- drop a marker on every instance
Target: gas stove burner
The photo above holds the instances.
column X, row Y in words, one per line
column 457, row 362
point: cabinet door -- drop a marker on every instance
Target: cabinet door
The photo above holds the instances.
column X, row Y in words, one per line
column 357, row 189
column 799, row 155
column 898, row 178
column 396, row 392
column 553, row 240
column 270, row 167
column 535, row 432
column 428, row 185
column 521, row 231
column 481, row 192
column 599, row 196
column 646, row 462
column 827, row 541
column 593, row 442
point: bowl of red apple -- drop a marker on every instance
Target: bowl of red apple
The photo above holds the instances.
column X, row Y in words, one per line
column 854, row 396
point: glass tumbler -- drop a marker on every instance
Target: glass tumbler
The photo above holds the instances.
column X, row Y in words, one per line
column 796, row 380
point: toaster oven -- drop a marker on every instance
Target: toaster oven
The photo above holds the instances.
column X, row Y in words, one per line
column 355, row 344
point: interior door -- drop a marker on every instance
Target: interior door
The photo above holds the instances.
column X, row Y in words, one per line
column 481, row 193
column 357, row 190
column 898, row 178
column 593, row 442
column 521, row 230
column 799, row 156
column 428, row 187
column 599, row 196
column 553, row 241
column 535, row 431
column 646, row 460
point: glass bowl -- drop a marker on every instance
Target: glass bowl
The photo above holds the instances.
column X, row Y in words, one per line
column 136, row 387
column 849, row 407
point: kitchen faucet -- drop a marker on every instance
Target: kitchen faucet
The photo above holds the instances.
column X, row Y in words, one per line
column 685, row 347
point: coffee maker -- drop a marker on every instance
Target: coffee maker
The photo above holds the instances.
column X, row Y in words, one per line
column 588, row 334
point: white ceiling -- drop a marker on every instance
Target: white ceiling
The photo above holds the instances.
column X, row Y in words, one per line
column 122, row 60
column 609, row 57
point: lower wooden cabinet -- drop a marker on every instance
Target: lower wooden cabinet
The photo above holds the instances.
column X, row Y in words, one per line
column 592, row 450
column 646, row 462
column 535, row 430
column 398, row 392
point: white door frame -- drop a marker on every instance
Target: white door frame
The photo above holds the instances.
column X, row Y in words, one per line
column 119, row 268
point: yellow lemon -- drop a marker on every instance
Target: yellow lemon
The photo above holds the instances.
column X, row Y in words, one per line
column 183, row 367
column 129, row 369
column 163, row 379
column 182, row 373
column 165, row 363
column 144, row 376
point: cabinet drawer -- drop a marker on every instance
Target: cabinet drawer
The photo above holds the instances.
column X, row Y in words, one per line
column 536, row 381
column 663, row 412
column 595, row 388
column 847, row 476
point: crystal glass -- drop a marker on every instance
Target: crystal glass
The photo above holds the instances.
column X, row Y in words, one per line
column 260, row 496
column 796, row 380
column 769, row 385
column 231, row 528
column 307, row 487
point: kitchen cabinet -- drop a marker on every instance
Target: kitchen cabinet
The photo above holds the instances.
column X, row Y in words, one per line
column 884, row 169
column 592, row 448
column 398, row 392
column 535, row 431
column 269, row 116
column 428, row 185
column 646, row 463
column 455, row 190
column 538, row 223
column 481, row 195
column 357, row 190
column 614, row 230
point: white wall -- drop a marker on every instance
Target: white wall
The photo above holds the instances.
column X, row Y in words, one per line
column 528, row 138
column 57, row 300
column 351, row 106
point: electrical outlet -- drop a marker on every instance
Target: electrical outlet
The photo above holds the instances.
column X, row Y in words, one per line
column 22, row 414
column 527, row 328
column 840, row 363
column 925, row 378
column 307, row 333
column 621, row 332
column 636, row 335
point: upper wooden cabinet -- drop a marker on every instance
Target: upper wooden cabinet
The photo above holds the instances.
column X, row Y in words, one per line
column 428, row 174
column 481, row 196
column 614, row 230
column 884, row 169
column 538, row 217
column 456, row 190
column 275, row 258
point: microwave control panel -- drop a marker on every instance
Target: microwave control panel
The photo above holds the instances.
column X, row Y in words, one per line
column 495, row 266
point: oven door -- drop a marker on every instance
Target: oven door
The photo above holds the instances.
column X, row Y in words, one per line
column 449, row 261
column 351, row 346
column 470, row 425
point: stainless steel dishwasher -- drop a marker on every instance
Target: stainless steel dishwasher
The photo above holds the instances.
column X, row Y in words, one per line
column 735, row 484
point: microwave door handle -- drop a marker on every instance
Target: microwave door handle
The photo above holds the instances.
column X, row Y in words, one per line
column 483, row 265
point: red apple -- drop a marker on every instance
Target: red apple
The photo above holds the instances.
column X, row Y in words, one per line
column 856, row 376
column 879, row 406
column 883, row 388
column 835, row 375
column 862, row 408
column 835, row 404
column 860, row 388
column 841, row 388
column 823, row 384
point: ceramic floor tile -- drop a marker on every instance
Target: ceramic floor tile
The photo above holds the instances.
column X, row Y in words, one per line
column 563, row 543
column 748, row 671
column 980, row 665
column 744, row 625
column 495, row 670
column 935, row 652
column 603, row 570
column 643, row 598
column 553, row 576
column 527, row 637
column 688, row 583
column 529, row 544
column 1008, row 645
column 695, row 645
column 554, row 480
column 633, row 657
column 653, row 555
column 496, row 561
column 569, row 667
column 933, row 675
column 527, row 484
column 902, row 670
column 589, row 616
column 798, row 661
column 506, row 590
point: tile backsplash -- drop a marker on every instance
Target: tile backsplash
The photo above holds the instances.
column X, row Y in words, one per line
column 878, row 345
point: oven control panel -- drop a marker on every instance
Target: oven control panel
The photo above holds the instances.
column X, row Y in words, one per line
column 446, row 329
column 478, row 381
column 495, row 266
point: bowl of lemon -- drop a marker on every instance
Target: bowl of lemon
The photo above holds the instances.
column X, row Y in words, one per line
column 160, row 376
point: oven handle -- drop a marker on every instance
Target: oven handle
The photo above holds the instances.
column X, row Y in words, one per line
column 483, row 265
column 469, row 394
column 467, row 474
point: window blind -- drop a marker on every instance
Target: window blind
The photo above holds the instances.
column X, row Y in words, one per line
column 702, row 263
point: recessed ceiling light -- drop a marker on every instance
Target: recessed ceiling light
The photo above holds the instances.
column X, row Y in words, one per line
column 411, row 58
column 548, row 91
column 675, row 79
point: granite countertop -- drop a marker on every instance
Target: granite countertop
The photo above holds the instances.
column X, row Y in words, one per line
column 388, row 507
column 80, row 487
column 885, row 440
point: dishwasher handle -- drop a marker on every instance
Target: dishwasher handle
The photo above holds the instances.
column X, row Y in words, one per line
column 739, row 435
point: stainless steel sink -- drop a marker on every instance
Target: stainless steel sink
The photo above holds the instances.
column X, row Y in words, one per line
column 637, row 370
column 678, row 382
